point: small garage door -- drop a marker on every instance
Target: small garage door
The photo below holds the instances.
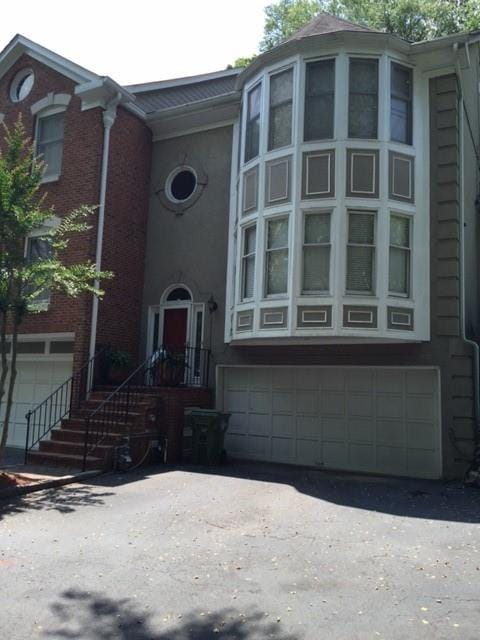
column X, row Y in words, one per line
column 377, row 420
column 35, row 381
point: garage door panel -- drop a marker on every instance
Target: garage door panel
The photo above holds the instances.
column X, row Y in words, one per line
column 335, row 455
column 260, row 401
column 308, row 427
column 420, row 435
column 333, row 403
column 283, row 449
column 360, row 380
column 307, row 402
column 283, row 402
column 334, row 429
column 389, row 406
column 259, row 446
column 390, row 432
column 419, row 407
column 282, row 378
column 238, row 379
column 390, row 381
column 361, row 430
column 308, row 452
column 333, row 380
column 391, row 460
column 238, row 423
column 424, row 380
column 260, row 424
column 237, row 400
column 359, row 404
column 362, row 457
column 283, row 426
column 357, row 419
column 422, row 464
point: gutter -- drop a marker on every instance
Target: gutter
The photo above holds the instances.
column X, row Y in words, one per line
column 109, row 116
column 473, row 472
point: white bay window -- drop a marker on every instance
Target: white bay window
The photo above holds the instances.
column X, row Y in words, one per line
column 399, row 256
column 280, row 120
column 361, row 252
column 248, row 262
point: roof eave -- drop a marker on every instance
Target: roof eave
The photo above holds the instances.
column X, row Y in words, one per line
column 200, row 105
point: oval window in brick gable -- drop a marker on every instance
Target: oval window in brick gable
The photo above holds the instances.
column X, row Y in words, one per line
column 21, row 85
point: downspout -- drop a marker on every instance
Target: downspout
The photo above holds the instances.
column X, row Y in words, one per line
column 109, row 116
column 473, row 472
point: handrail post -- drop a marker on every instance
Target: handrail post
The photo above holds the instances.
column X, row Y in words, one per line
column 27, row 440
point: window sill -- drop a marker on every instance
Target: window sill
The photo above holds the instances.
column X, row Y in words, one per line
column 51, row 178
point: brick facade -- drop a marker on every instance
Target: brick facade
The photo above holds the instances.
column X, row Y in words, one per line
column 79, row 184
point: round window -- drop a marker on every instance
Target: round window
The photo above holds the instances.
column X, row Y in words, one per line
column 181, row 184
column 21, row 85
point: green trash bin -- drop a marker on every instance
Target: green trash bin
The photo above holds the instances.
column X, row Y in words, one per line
column 208, row 435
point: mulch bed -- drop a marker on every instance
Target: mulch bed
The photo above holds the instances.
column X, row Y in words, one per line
column 9, row 480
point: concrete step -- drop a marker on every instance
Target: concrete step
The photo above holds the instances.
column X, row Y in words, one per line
column 78, row 435
column 78, row 424
column 65, row 460
column 61, row 448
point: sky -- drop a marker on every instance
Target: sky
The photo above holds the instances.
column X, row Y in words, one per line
column 143, row 40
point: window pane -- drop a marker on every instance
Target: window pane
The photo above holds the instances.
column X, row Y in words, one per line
column 51, row 154
column 248, row 276
column 39, row 249
column 401, row 81
column 281, row 87
column 360, row 269
column 252, row 139
column 317, row 228
column 363, row 76
column 362, row 119
column 277, row 234
column 277, row 269
column 50, row 128
column 254, row 102
column 319, row 100
column 316, row 267
column 399, row 270
column 363, row 99
column 280, row 134
column 250, row 239
column 361, row 228
column 399, row 231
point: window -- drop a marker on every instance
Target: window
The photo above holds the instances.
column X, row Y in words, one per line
column 399, row 263
column 38, row 249
column 276, row 259
column 401, row 90
column 316, row 253
column 252, row 134
column 21, row 85
column 363, row 98
column 319, row 100
column 50, row 143
column 181, row 184
column 360, row 252
column 280, row 121
column 248, row 262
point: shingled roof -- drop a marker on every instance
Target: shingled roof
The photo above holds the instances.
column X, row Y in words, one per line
column 198, row 89
column 326, row 23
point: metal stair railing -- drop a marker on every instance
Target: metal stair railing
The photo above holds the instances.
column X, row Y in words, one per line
column 60, row 403
column 166, row 367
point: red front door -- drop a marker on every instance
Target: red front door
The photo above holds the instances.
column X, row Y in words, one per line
column 175, row 328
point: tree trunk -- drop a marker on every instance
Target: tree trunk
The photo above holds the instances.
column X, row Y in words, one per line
column 11, row 385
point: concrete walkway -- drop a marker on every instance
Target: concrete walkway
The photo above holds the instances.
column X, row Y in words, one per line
column 251, row 553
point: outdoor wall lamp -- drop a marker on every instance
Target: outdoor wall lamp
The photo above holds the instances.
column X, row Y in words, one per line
column 212, row 305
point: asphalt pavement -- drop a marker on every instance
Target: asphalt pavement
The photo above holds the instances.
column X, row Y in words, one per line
column 246, row 552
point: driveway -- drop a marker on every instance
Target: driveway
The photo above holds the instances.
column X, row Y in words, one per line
column 252, row 552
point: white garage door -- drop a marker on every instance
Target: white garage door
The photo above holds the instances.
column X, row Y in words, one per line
column 35, row 381
column 377, row 420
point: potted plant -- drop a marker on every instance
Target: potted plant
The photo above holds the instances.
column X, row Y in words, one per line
column 118, row 366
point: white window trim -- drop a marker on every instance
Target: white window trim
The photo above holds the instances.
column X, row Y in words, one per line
column 321, row 292
column 276, row 163
column 291, row 101
column 266, row 295
column 244, row 258
column 374, row 214
column 398, row 158
column 408, row 250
